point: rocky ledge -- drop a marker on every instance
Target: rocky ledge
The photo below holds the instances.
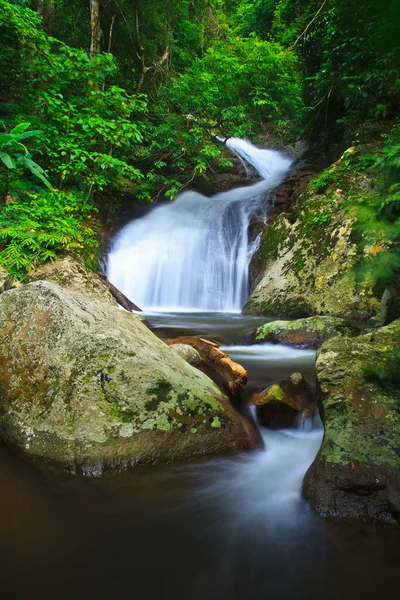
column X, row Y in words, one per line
column 356, row 474
column 303, row 333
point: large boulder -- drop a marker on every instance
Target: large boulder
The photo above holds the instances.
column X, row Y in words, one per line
column 310, row 332
column 305, row 264
column 356, row 474
column 88, row 386
column 280, row 405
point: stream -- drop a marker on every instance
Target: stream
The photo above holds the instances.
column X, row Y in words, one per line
column 229, row 528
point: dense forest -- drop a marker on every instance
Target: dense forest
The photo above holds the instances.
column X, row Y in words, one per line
column 99, row 100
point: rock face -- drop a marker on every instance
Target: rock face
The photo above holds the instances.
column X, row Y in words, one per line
column 6, row 281
column 71, row 273
column 305, row 265
column 232, row 375
column 304, row 333
column 357, row 471
column 281, row 404
column 89, row 387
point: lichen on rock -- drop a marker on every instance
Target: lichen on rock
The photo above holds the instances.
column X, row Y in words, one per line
column 310, row 332
column 357, row 471
column 305, row 264
column 88, row 386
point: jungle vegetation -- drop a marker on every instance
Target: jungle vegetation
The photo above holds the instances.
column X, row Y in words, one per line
column 105, row 98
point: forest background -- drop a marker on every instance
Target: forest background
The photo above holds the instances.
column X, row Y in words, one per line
column 100, row 100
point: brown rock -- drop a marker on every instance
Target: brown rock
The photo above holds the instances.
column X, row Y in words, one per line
column 6, row 281
column 233, row 375
column 281, row 403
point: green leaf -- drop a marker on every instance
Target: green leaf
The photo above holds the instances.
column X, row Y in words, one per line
column 7, row 160
column 19, row 129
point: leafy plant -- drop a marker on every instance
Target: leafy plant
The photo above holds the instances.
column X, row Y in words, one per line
column 13, row 152
column 378, row 217
column 40, row 226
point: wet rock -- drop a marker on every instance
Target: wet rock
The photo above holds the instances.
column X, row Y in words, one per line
column 356, row 474
column 87, row 386
column 233, row 375
column 390, row 305
column 310, row 332
column 305, row 263
column 280, row 405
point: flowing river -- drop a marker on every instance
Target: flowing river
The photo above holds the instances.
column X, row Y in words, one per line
column 231, row 528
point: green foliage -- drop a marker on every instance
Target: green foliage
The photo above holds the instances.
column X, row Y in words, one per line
column 89, row 127
column 240, row 87
column 387, row 371
column 378, row 215
column 38, row 227
column 13, row 152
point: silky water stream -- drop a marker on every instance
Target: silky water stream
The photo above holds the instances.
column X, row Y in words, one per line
column 231, row 528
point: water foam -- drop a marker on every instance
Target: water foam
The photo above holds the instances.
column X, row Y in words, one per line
column 193, row 254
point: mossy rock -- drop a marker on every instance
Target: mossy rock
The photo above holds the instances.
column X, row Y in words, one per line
column 305, row 265
column 310, row 332
column 87, row 386
column 281, row 404
column 357, row 471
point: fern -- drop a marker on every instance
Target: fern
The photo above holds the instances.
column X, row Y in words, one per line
column 37, row 228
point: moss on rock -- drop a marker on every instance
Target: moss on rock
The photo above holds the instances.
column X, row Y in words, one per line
column 310, row 332
column 88, row 386
column 306, row 267
column 357, row 471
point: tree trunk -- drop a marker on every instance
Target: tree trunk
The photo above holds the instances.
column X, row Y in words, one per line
column 95, row 30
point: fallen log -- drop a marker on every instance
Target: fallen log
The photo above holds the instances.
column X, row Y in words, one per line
column 233, row 375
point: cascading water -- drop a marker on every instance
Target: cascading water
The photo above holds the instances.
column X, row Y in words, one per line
column 194, row 253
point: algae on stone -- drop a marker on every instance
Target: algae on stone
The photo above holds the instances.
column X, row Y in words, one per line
column 306, row 267
column 310, row 332
column 83, row 383
column 357, row 471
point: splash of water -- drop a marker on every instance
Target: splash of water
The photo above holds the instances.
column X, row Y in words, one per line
column 193, row 254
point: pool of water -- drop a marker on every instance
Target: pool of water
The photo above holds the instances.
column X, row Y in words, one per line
column 232, row 528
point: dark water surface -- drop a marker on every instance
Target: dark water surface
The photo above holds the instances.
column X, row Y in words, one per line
column 228, row 529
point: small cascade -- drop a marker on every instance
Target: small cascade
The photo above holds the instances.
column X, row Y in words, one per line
column 193, row 254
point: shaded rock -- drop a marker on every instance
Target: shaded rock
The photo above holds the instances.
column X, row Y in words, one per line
column 188, row 353
column 6, row 281
column 305, row 264
column 310, row 332
column 233, row 375
column 356, row 474
column 281, row 404
column 277, row 415
column 87, row 386
column 390, row 305
column 71, row 274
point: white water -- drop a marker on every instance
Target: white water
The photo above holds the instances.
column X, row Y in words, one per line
column 193, row 254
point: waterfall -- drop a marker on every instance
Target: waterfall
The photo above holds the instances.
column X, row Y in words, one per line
column 193, row 254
